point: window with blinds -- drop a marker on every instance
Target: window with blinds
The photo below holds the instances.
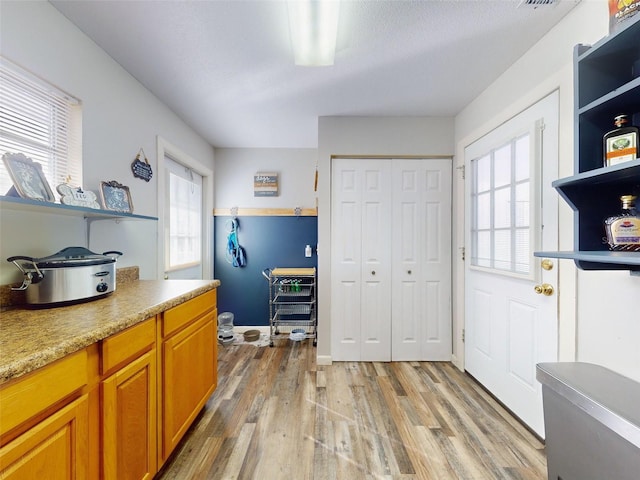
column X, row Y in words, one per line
column 41, row 122
column 501, row 208
column 184, row 204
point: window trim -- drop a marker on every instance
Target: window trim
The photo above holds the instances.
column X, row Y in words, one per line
column 164, row 148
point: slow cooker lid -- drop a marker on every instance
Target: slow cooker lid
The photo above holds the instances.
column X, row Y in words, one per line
column 73, row 257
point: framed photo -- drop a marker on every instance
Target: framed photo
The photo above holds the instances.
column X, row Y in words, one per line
column 28, row 178
column 77, row 197
column 116, row 197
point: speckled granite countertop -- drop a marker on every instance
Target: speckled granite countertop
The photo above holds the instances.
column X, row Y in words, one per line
column 32, row 338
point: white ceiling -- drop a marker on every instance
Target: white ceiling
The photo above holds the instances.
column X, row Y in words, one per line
column 226, row 67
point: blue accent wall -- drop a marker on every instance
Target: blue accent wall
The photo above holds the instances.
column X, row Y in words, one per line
column 268, row 242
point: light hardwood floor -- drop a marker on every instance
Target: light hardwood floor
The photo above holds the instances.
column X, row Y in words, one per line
column 278, row 416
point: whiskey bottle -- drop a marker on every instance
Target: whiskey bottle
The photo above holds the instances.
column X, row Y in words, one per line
column 623, row 231
column 620, row 145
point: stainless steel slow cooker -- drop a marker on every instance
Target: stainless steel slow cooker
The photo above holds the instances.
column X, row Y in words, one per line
column 72, row 275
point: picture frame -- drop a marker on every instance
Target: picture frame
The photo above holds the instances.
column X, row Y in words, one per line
column 116, row 197
column 265, row 184
column 28, row 178
column 77, row 197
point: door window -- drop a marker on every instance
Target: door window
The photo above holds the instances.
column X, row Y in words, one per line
column 501, row 236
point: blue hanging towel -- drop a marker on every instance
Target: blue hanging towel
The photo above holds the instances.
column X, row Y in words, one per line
column 235, row 253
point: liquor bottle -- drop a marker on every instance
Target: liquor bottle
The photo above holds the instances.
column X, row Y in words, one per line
column 623, row 230
column 620, row 145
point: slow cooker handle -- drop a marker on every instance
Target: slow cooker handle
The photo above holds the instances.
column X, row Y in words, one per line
column 29, row 277
column 112, row 252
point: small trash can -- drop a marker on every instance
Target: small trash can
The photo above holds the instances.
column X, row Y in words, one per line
column 592, row 422
column 225, row 327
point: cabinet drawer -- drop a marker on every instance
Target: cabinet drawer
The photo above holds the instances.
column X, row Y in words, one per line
column 127, row 345
column 177, row 317
column 27, row 397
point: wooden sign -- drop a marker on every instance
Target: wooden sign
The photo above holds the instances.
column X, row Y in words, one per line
column 265, row 184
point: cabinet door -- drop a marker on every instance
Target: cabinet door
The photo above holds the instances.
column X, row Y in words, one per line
column 129, row 421
column 55, row 449
column 189, row 378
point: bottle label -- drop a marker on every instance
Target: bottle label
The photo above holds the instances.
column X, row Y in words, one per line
column 622, row 148
column 626, row 230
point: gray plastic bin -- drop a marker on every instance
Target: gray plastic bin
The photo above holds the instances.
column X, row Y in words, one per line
column 592, row 422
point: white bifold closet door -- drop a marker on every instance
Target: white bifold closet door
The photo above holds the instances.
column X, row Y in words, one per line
column 391, row 259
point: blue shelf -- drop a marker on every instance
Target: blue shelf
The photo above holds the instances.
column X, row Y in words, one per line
column 25, row 204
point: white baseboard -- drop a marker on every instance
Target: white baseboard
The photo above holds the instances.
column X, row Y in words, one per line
column 323, row 360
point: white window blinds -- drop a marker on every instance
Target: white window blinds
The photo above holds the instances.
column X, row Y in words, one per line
column 41, row 122
column 185, row 216
column 501, row 208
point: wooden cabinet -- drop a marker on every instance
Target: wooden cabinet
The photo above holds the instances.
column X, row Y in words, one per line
column 45, row 423
column 129, row 404
column 116, row 409
column 188, row 366
column 606, row 84
column 55, row 448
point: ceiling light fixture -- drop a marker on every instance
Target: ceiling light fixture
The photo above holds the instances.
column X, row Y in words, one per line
column 314, row 28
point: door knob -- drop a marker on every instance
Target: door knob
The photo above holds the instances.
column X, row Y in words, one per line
column 544, row 289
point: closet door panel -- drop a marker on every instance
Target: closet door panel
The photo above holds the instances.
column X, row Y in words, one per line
column 346, row 264
column 436, row 260
column 421, row 326
column 376, row 262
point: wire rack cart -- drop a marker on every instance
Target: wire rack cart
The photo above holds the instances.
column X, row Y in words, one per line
column 292, row 303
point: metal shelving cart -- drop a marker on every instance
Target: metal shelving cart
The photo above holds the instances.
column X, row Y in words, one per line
column 292, row 303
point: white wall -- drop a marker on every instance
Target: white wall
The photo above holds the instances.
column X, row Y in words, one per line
column 119, row 117
column 597, row 321
column 235, row 168
column 351, row 136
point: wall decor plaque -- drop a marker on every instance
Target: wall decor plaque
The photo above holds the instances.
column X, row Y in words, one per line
column 77, row 197
column 265, row 184
column 141, row 169
column 28, row 178
column 116, row 197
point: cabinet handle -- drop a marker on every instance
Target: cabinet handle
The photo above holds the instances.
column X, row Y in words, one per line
column 373, row 272
column 409, row 272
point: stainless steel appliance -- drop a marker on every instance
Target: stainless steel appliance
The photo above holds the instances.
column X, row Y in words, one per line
column 72, row 275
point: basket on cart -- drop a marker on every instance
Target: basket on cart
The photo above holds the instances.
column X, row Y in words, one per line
column 292, row 303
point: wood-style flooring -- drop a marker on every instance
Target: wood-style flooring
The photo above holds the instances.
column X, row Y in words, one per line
column 276, row 415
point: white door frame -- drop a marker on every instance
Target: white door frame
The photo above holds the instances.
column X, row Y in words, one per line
column 163, row 148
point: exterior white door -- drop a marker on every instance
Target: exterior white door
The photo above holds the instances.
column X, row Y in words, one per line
column 511, row 211
column 421, row 256
column 391, row 227
column 361, row 253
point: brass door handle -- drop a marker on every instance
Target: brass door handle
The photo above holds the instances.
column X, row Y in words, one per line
column 544, row 289
column 547, row 264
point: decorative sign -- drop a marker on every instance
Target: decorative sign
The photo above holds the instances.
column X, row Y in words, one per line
column 77, row 197
column 265, row 184
column 116, row 197
column 141, row 169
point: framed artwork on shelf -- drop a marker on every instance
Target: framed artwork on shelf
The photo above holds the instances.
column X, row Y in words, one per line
column 116, row 197
column 28, row 178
